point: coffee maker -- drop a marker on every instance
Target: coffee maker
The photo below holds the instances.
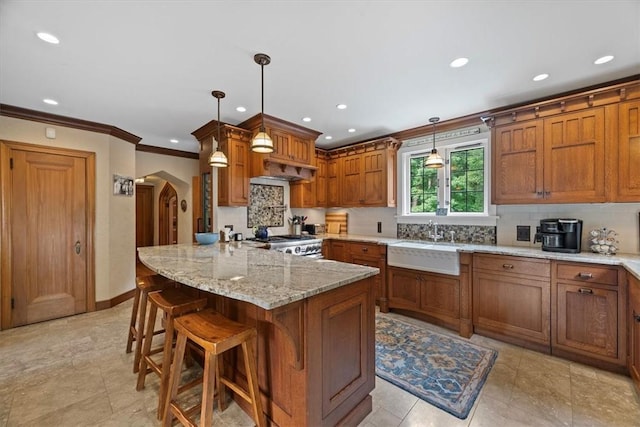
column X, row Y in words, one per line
column 560, row 235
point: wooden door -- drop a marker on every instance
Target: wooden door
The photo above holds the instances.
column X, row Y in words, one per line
column 352, row 192
column 587, row 319
column 629, row 153
column 574, row 157
column 321, row 182
column 49, row 194
column 144, row 216
column 517, row 172
column 634, row 329
column 301, row 150
column 168, row 218
column 333, row 183
column 238, row 172
column 440, row 297
column 404, row 289
column 281, row 143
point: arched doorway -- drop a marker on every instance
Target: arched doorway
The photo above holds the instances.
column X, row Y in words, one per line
column 168, row 216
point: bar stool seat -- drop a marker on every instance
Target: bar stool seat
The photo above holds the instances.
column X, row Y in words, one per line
column 173, row 303
column 144, row 285
column 215, row 334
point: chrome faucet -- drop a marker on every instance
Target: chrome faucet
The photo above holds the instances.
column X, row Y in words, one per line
column 435, row 236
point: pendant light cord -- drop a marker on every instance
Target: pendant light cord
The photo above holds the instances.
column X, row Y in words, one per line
column 262, row 92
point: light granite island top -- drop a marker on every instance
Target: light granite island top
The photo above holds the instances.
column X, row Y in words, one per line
column 246, row 272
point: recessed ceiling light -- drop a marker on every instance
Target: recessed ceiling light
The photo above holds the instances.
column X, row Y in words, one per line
column 328, row 137
column 352, row 130
column 306, row 119
column 241, row 109
column 50, row 101
column 174, row 141
column 459, row 62
column 341, row 106
column 49, row 38
column 603, row 59
column 540, row 77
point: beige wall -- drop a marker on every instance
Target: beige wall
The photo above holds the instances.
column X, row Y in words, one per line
column 114, row 237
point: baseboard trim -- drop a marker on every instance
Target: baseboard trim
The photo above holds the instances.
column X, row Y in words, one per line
column 103, row 305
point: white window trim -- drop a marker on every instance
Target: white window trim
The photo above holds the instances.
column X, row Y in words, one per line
column 406, row 153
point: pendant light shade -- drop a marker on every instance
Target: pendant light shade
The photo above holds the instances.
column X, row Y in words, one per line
column 217, row 158
column 262, row 143
column 434, row 160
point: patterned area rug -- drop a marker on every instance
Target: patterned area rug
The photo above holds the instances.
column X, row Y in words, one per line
column 447, row 372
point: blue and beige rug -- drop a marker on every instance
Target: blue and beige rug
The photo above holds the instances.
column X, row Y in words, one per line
column 445, row 371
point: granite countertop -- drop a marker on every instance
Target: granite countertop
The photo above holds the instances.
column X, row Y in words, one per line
column 246, row 272
column 630, row 261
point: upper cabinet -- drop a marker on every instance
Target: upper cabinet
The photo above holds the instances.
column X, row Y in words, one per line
column 312, row 193
column 363, row 174
column 629, row 152
column 581, row 148
column 233, row 181
column 293, row 149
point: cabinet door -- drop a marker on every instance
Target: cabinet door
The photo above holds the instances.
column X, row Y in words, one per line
column 574, row 157
column 339, row 251
column 352, row 180
column 634, row 329
column 333, row 183
column 301, row 150
column 281, row 141
column 587, row 320
column 321, row 183
column 404, row 289
column 303, row 194
column 374, row 178
column 517, row 175
column 512, row 305
column 629, row 153
column 440, row 297
column 233, row 181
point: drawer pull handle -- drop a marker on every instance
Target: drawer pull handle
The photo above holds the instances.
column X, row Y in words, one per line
column 636, row 317
column 365, row 249
column 507, row 266
column 585, row 275
column 585, row 291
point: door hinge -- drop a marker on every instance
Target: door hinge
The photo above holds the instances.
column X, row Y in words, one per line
column 11, row 163
column 13, row 303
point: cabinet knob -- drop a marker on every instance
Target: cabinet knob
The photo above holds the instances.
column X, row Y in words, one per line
column 636, row 317
column 585, row 291
column 547, row 193
column 365, row 249
column 584, row 275
column 539, row 194
column 507, row 266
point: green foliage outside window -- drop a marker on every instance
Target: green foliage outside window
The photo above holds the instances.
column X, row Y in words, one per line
column 467, row 183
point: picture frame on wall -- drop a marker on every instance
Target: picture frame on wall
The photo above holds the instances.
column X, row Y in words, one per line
column 122, row 185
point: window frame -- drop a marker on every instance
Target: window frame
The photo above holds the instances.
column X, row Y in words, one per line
column 444, row 176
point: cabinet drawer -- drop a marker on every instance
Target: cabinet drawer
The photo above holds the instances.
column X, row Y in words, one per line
column 360, row 248
column 510, row 264
column 588, row 273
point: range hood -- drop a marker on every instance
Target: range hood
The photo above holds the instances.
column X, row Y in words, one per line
column 285, row 170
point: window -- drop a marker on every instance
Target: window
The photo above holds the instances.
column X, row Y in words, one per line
column 461, row 186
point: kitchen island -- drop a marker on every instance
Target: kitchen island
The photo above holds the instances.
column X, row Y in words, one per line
column 315, row 321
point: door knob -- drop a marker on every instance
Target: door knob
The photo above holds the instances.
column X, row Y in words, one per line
column 78, row 247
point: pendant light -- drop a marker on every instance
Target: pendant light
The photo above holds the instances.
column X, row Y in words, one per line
column 218, row 159
column 434, row 160
column 262, row 143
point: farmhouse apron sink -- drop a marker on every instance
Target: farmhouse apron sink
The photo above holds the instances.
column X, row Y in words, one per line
column 435, row 258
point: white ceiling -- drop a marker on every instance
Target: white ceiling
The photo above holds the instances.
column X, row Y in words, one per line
column 148, row 67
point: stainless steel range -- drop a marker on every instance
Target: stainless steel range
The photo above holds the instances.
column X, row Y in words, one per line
column 308, row 246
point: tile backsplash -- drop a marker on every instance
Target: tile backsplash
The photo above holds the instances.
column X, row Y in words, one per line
column 476, row 234
column 266, row 205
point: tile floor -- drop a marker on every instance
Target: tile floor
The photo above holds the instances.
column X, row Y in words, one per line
column 74, row 372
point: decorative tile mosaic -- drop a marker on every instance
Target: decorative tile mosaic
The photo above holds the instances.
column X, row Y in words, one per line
column 266, row 205
column 476, row 234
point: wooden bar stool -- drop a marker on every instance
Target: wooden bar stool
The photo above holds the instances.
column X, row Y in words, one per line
column 215, row 334
column 173, row 303
column 144, row 285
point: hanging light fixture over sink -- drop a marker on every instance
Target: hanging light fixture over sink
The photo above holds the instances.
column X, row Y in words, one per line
column 262, row 143
column 434, row 160
column 217, row 158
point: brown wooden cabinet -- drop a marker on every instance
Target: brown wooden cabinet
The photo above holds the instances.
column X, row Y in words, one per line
column 338, row 250
column 363, row 174
column 629, row 152
column 233, row 181
column 558, row 159
column 588, row 313
column 372, row 255
column 634, row 329
column 321, row 179
column 311, row 193
column 511, row 299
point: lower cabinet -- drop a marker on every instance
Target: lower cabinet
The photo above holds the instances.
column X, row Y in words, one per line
column 634, row 330
column 511, row 299
column 588, row 313
column 363, row 253
column 434, row 295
